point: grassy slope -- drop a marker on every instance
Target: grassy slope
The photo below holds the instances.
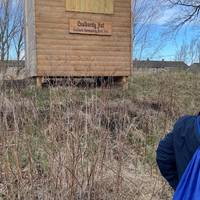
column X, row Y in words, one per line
column 75, row 143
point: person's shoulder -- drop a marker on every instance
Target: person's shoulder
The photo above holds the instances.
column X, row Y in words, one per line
column 184, row 121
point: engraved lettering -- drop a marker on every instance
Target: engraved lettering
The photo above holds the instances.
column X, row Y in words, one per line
column 90, row 27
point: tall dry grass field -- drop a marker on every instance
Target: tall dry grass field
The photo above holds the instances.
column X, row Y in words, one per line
column 81, row 143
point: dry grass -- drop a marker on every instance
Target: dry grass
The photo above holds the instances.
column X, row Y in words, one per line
column 90, row 144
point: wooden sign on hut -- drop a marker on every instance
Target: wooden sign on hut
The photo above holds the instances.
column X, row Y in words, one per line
column 78, row 38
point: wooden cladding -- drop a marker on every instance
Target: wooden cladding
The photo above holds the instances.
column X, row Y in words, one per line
column 62, row 49
column 91, row 6
column 90, row 27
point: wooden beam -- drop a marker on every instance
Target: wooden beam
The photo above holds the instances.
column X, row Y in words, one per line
column 39, row 81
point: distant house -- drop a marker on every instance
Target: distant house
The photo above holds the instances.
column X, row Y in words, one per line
column 11, row 63
column 159, row 65
column 12, row 69
column 195, row 67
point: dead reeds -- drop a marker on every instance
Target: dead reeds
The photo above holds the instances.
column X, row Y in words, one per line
column 89, row 143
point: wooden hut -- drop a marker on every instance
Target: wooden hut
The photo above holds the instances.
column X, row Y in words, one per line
column 78, row 38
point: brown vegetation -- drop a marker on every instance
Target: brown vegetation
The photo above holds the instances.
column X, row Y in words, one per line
column 90, row 143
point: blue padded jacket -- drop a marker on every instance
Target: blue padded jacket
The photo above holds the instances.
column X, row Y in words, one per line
column 176, row 150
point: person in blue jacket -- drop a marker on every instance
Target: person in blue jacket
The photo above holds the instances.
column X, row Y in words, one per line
column 176, row 150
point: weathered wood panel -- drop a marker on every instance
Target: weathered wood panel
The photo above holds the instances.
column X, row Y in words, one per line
column 60, row 53
column 31, row 59
column 91, row 6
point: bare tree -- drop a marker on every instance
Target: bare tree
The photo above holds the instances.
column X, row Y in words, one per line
column 189, row 52
column 144, row 13
column 11, row 32
column 190, row 11
column 8, row 27
column 182, row 53
column 18, row 39
column 11, row 27
column 184, row 13
column 198, row 51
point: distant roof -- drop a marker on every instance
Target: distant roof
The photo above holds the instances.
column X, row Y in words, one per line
column 12, row 63
column 12, row 70
column 159, row 64
column 195, row 65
